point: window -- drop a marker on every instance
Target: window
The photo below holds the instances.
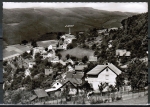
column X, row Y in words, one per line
column 107, row 76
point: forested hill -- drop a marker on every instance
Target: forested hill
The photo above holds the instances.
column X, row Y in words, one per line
column 31, row 23
column 133, row 35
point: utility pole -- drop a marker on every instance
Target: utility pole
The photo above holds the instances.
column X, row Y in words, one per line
column 69, row 26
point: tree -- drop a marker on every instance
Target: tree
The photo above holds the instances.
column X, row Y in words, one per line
column 120, row 80
column 24, row 42
column 5, row 63
column 15, row 98
column 67, row 56
column 93, row 46
column 137, row 71
column 59, row 55
column 58, row 35
column 46, row 49
column 84, row 59
column 101, row 87
column 70, row 46
column 33, row 43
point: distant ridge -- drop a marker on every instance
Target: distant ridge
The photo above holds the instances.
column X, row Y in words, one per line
column 31, row 23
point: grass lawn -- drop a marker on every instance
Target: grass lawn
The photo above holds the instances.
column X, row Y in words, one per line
column 77, row 52
column 139, row 100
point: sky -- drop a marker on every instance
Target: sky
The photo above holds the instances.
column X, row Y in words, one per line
column 138, row 7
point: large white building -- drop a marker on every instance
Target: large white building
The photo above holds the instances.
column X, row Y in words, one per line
column 103, row 73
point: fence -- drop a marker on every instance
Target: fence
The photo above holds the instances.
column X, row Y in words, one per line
column 95, row 98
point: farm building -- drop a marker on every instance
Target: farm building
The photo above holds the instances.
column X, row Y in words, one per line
column 122, row 52
column 103, row 73
column 92, row 59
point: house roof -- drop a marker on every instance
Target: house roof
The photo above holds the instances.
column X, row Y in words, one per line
column 80, row 67
column 40, row 93
column 92, row 58
column 74, row 78
column 70, row 60
column 48, row 71
column 28, row 60
column 100, row 68
column 62, row 62
column 33, row 97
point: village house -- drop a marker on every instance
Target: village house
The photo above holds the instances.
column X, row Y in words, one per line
column 27, row 73
column 55, row 86
column 101, row 74
column 113, row 28
column 80, row 68
column 37, row 50
column 62, row 47
column 75, row 77
column 70, row 68
column 101, row 31
column 41, row 94
column 48, row 72
column 62, row 62
column 31, row 64
column 92, row 59
column 70, row 61
column 50, row 47
column 28, row 63
column 55, row 59
column 122, row 52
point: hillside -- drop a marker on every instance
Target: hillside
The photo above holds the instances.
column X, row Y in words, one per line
column 133, row 36
column 20, row 24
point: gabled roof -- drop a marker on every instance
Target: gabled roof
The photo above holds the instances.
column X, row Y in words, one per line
column 80, row 67
column 33, row 97
column 70, row 60
column 99, row 68
column 92, row 58
column 75, row 78
column 40, row 93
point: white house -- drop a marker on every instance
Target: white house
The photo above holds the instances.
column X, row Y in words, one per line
column 31, row 64
column 50, row 47
column 122, row 52
column 27, row 72
column 55, row 86
column 92, row 59
column 103, row 73
column 37, row 50
column 70, row 68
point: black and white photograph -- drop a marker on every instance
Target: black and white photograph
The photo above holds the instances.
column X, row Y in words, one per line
column 75, row 53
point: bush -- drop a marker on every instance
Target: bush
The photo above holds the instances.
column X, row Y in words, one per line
column 113, row 99
column 118, row 98
column 96, row 101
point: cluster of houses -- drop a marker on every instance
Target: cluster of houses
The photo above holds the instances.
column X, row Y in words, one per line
column 74, row 74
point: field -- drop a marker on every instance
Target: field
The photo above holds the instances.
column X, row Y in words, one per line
column 77, row 52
